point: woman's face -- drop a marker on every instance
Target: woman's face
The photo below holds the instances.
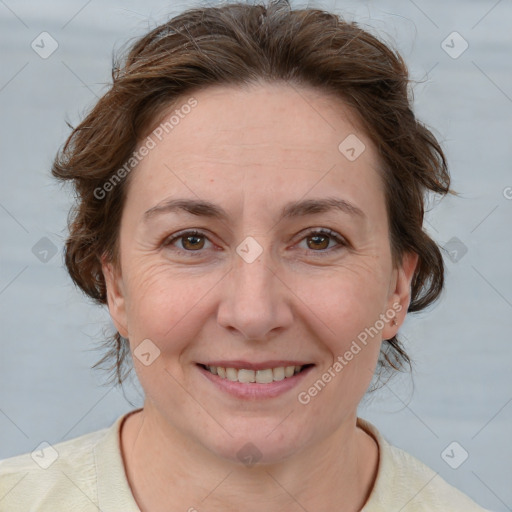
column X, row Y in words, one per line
column 267, row 281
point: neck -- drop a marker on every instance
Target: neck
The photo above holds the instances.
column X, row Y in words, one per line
column 163, row 467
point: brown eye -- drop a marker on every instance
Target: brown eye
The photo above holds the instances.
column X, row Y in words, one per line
column 187, row 242
column 192, row 242
column 318, row 242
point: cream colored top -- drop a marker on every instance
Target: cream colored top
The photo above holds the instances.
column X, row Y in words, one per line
column 87, row 474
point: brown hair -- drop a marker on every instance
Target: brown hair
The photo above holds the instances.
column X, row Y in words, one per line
column 240, row 44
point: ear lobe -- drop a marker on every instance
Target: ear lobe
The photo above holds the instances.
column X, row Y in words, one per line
column 115, row 295
column 400, row 297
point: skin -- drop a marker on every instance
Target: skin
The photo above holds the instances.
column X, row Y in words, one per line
column 251, row 151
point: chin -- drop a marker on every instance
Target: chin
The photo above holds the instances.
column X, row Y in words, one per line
column 257, row 442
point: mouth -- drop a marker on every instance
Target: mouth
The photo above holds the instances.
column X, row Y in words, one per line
column 260, row 376
column 250, row 381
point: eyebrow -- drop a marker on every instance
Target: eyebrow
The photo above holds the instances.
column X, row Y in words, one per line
column 293, row 209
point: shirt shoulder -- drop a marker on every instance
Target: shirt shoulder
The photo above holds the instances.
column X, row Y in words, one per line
column 33, row 480
column 405, row 483
column 63, row 476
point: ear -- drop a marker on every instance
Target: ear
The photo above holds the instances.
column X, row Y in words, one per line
column 400, row 294
column 115, row 295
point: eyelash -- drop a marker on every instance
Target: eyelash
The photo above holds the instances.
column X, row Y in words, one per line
column 320, row 231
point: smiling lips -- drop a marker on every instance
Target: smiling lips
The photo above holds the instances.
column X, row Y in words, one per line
column 249, row 373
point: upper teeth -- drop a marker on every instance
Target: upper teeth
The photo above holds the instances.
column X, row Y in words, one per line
column 260, row 376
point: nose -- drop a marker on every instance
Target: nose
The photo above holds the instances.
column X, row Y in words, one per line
column 256, row 301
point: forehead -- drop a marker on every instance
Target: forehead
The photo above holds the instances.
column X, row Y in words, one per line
column 272, row 139
column 230, row 121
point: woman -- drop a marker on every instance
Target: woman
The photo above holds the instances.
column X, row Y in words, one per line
column 250, row 208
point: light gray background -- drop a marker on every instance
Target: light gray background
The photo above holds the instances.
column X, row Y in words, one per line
column 462, row 347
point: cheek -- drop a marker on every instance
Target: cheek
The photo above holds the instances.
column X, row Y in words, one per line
column 345, row 301
column 346, row 311
column 163, row 304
